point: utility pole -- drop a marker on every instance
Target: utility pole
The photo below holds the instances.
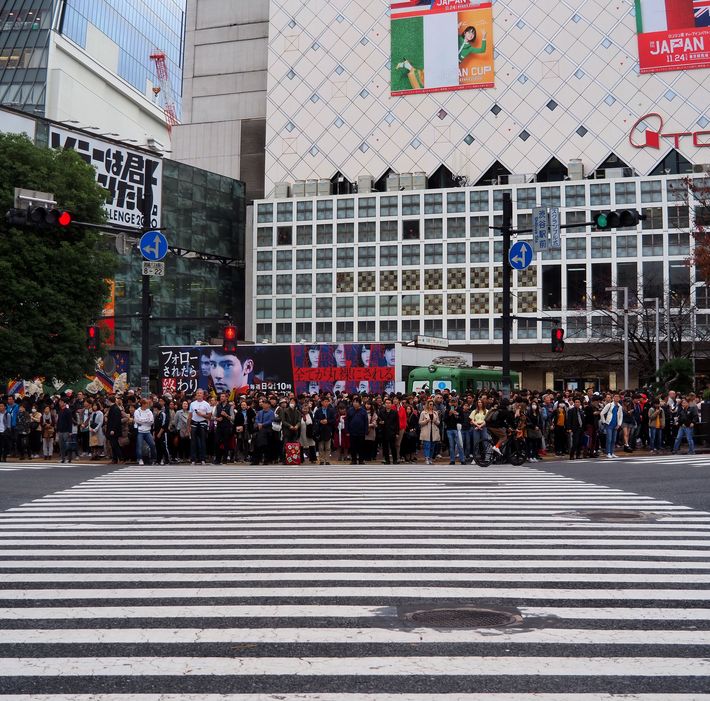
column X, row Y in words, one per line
column 506, row 231
column 145, row 284
column 625, row 290
column 657, row 303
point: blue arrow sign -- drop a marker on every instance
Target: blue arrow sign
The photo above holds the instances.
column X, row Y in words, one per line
column 520, row 255
column 154, row 246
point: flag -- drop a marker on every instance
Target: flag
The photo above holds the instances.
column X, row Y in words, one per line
column 701, row 10
column 105, row 380
column 664, row 15
column 15, row 387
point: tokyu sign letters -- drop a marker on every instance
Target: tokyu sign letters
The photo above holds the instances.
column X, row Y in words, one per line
column 650, row 137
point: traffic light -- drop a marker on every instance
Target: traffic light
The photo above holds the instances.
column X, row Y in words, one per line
column 44, row 217
column 16, row 217
column 558, row 340
column 92, row 338
column 604, row 221
column 229, row 339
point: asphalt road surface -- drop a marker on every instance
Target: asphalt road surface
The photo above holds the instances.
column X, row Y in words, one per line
column 226, row 583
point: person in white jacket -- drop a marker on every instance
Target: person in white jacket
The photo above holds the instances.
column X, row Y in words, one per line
column 143, row 420
column 611, row 416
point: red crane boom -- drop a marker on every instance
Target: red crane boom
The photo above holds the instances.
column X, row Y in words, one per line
column 161, row 69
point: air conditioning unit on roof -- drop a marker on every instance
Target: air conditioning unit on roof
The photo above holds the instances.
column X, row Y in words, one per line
column 299, row 188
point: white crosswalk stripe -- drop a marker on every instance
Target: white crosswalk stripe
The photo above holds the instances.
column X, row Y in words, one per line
column 231, row 583
column 21, row 465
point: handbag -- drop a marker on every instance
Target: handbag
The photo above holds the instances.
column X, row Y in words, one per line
column 276, row 425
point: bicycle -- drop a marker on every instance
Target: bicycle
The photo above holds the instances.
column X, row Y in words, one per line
column 514, row 452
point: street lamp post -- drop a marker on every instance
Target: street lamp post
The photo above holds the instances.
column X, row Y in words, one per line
column 625, row 290
column 657, row 304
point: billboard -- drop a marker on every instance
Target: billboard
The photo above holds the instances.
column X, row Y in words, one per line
column 441, row 45
column 343, row 367
column 673, row 35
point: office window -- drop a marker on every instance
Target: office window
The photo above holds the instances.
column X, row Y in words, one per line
column 346, row 257
column 284, row 236
column 366, row 257
column 264, row 284
column 388, row 305
column 653, row 279
column 367, row 207
column 652, row 245
column 284, row 260
column 626, row 246
column 346, row 233
column 498, row 199
column 410, row 305
column 679, row 280
column 346, row 209
column 366, row 331
column 527, row 328
column 479, row 329
column 575, row 196
column 601, row 246
column 264, row 213
column 479, row 251
column 264, row 237
column 456, row 228
column 456, row 329
column 653, row 218
column 410, row 329
column 433, row 228
column 344, row 307
column 702, row 297
column 599, row 194
column 627, row 276
column 304, row 284
column 576, row 247
column 324, row 258
column 702, row 214
column 264, row 308
column 388, row 231
column 324, row 209
column 479, row 227
column 304, row 260
column 304, row 235
column 389, row 206
column 284, row 284
column 625, row 193
column 410, row 230
column 366, row 232
column 304, row 332
column 575, row 218
column 389, row 256
column 324, row 234
column 284, row 211
column 264, row 332
column 551, row 287
column 433, row 254
column 366, row 306
column 284, row 309
column 601, row 327
column 524, row 222
column 527, row 197
column 455, row 202
column 548, row 254
column 550, row 196
column 304, row 211
column 324, row 331
column 676, row 191
column 478, row 200
column 304, row 308
column 679, row 244
column 576, row 286
column 455, row 253
column 678, row 217
column 410, row 205
column 324, row 283
column 388, row 331
column 432, row 204
column 651, row 191
column 344, row 330
column 433, row 327
column 601, row 279
column 264, row 260
column 324, row 307
column 410, row 255
column 576, row 327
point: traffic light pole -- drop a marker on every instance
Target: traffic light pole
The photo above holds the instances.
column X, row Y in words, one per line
column 506, row 229
column 145, row 286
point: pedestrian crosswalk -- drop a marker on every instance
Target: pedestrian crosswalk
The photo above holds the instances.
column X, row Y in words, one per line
column 228, row 583
column 15, row 466
column 679, row 460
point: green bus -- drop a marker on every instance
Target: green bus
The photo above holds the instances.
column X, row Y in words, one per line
column 440, row 377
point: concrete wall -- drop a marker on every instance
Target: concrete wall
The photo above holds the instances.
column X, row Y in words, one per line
column 224, row 90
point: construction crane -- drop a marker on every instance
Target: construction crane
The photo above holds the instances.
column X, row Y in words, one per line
column 161, row 68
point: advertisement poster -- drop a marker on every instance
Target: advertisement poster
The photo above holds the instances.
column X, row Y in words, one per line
column 441, row 45
column 345, row 367
column 673, row 35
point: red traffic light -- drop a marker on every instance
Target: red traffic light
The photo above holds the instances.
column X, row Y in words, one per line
column 92, row 337
column 558, row 340
column 229, row 339
column 230, row 333
column 559, row 334
column 64, row 219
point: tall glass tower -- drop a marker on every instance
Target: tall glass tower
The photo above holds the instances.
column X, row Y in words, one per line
column 135, row 28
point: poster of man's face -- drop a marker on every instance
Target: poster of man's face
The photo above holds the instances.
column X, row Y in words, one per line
column 228, row 372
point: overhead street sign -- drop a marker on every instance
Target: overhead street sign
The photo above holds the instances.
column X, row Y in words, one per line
column 153, row 246
column 153, row 268
column 555, row 228
column 520, row 255
column 539, row 226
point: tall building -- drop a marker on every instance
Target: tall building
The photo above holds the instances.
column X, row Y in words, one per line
column 225, row 86
column 393, row 130
column 87, row 63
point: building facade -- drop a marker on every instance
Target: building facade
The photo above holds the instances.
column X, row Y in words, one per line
column 87, row 63
column 381, row 215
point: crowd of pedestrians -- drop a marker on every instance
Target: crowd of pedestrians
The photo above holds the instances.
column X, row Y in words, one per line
column 267, row 428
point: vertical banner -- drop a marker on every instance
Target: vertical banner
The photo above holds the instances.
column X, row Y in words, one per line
column 441, row 45
column 673, row 35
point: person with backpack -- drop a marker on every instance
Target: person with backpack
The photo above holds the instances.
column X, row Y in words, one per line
column 611, row 418
column 687, row 417
column 559, row 423
column 429, row 431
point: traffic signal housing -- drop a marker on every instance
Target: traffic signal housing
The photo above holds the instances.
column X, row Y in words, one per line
column 39, row 217
column 605, row 221
column 92, row 338
column 229, row 339
column 558, row 340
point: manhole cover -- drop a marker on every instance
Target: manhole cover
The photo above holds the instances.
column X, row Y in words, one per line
column 616, row 516
column 463, row 618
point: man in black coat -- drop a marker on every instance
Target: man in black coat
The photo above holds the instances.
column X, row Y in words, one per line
column 357, row 424
column 114, row 428
column 575, row 427
column 388, row 421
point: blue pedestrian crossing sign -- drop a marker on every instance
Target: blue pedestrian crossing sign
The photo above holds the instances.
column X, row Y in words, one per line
column 520, row 255
column 154, row 246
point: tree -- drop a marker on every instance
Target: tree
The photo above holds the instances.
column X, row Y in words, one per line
column 699, row 199
column 53, row 284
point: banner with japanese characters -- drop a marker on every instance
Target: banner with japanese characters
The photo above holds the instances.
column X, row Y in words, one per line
column 125, row 173
column 303, row 369
column 441, row 45
column 673, row 35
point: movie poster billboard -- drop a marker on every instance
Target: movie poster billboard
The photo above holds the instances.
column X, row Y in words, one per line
column 302, row 369
column 441, row 45
column 673, row 35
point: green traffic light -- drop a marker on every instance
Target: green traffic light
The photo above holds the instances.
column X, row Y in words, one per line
column 601, row 221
